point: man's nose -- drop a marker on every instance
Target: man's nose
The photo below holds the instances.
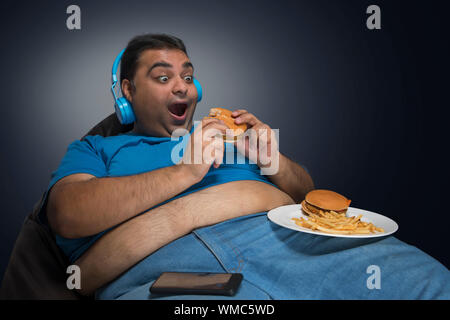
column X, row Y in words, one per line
column 180, row 86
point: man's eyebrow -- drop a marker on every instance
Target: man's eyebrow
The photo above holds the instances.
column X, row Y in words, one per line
column 187, row 64
column 163, row 64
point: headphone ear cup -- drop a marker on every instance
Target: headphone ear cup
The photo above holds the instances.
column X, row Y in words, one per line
column 124, row 111
column 199, row 90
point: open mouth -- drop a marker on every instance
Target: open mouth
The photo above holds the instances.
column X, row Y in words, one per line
column 178, row 110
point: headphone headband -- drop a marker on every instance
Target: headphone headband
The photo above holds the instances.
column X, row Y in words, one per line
column 116, row 66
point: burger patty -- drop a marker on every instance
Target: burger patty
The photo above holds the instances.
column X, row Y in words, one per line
column 315, row 209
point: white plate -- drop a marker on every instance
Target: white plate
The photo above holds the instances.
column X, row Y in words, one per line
column 283, row 217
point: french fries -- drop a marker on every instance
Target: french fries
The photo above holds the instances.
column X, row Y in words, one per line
column 335, row 223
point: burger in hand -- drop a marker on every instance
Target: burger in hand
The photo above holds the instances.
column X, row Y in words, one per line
column 235, row 131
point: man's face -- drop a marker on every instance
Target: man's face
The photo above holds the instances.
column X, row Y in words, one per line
column 164, row 97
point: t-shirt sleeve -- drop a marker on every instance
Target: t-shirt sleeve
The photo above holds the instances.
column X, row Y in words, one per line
column 81, row 157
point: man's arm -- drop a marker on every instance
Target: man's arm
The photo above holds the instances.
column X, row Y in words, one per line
column 127, row 244
column 80, row 205
column 292, row 179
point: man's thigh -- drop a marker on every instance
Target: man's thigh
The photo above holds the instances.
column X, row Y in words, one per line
column 186, row 254
column 293, row 265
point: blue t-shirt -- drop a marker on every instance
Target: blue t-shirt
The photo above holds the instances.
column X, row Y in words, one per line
column 130, row 154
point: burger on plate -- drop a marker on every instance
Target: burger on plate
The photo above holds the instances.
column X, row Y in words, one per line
column 225, row 115
column 325, row 200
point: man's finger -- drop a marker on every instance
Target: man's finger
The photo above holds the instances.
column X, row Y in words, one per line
column 264, row 130
column 213, row 151
column 238, row 112
column 218, row 153
column 217, row 126
column 247, row 118
column 203, row 123
column 206, row 121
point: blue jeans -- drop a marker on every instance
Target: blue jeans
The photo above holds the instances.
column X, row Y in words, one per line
column 279, row 263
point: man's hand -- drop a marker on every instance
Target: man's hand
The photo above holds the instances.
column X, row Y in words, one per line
column 285, row 173
column 260, row 145
column 205, row 146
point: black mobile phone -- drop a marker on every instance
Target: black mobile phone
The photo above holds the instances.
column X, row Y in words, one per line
column 203, row 283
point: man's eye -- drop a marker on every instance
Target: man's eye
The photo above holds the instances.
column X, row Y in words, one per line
column 188, row 78
column 163, row 78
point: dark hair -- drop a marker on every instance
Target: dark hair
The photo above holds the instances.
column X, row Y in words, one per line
column 144, row 42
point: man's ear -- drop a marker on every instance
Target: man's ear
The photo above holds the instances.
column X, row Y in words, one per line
column 128, row 89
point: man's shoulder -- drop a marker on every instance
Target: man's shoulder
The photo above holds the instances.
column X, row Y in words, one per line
column 99, row 139
column 98, row 143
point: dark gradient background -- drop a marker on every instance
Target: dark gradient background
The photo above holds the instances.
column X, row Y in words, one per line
column 363, row 110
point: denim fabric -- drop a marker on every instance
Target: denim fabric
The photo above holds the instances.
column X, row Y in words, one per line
column 279, row 263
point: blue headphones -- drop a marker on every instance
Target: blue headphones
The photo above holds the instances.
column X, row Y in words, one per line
column 124, row 110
